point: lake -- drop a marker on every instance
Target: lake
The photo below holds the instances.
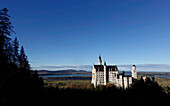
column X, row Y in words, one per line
column 74, row 75
column 162, row 76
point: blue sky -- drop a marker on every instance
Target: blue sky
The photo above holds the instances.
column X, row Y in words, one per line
column 75, row 32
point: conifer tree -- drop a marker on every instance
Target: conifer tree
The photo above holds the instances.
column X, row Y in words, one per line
column 23, row 61
column 6, row 29
column 9, row 53
column 15, row 51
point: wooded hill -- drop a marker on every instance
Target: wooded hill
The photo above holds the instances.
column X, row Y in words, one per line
column 62, row 72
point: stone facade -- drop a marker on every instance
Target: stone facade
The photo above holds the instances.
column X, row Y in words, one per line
column 109, row 74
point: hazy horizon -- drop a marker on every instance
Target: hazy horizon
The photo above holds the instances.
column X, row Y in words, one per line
column 126, row 67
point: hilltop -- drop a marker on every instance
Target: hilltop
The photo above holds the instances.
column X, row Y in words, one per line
column 62, row 72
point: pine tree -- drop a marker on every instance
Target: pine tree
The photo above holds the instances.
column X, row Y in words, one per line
column 16, row 79
column 15, row 52
column 23, row 61
column 10, row 53
column 6, row 29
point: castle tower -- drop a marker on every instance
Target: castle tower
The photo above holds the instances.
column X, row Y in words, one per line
column 94, row 76
column 105, row 79
column 100, row 60
column 134, row 72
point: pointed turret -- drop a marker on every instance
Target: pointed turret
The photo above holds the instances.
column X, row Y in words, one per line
column 105, row 63
column 100, row 60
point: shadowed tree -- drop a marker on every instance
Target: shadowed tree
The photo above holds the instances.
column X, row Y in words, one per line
column 15, row 51
column 6, row 29
column 23, row 61
column 15, row 86
column 10, row 53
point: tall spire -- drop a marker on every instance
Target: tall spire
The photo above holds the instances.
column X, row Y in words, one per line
column 100, row 60
column 105, row 63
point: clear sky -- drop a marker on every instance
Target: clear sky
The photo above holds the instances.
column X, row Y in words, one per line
column 75, row 32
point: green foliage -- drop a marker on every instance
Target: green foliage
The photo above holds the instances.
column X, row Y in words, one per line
column 166, row 89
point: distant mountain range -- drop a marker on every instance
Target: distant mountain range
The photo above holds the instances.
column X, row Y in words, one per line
column 62, row 72
column 67, row 72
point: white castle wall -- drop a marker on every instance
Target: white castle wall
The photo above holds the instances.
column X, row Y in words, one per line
column 134, row 72
column 99, row 77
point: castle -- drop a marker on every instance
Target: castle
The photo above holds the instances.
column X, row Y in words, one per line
column 109, row 74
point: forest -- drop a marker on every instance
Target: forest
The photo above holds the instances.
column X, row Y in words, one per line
column 19, row 85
